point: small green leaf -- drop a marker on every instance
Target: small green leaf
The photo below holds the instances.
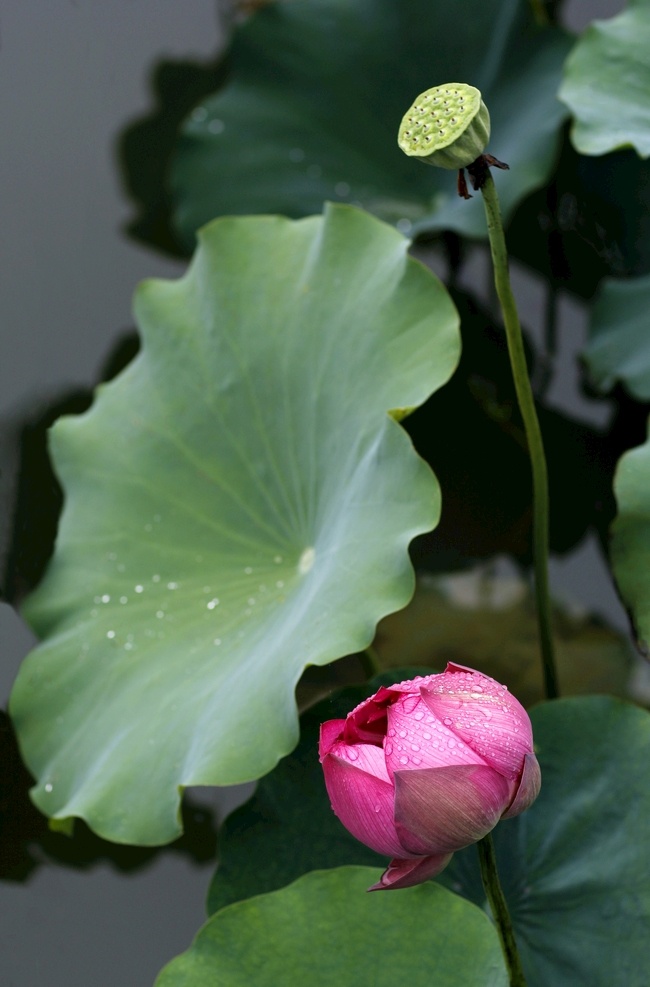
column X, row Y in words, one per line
column 239, row 505
column 316, row 97
column 607, row 83
column 325, row 930
column 619, row 343
column 630, row 546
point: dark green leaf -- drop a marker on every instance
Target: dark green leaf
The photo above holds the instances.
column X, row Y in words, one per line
column 317, row 94
column 325, row 930
column 575, row 866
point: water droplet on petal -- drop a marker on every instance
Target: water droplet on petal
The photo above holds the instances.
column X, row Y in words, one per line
column 403, row 759
column 352, row 754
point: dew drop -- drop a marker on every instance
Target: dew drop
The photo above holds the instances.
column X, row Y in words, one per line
column 417, row 760
column 139, row 588
column 447, row 721
column 213, row 603
column 414, row 747
column 352, row 754
column 419, row 715
column 391, row 732
column 280, row 583
column 403, row 759
column 155, row 579
column 377, row 808
column 217, row 641
column 48, row 787
column 251, row 601
column 388, row 748
column 342, row 189
column 160, row 614
column 172, row 585
column 248, row 571
column 216, row 126
column 296, row 154
column 106, row 598
column 426, row 735
column 124, row 599
column 278, row 559
column 402, row 733
column 110, row 635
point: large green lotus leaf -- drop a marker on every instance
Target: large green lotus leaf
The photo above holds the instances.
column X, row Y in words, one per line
column 317, row 93
column 325, row 930
column 619, row 343
column 630, row 547
column 607, row 83
column 575, row 867
column 238, row 506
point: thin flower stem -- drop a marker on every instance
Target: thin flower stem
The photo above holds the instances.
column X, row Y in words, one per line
column 370, row 662
column 533, row 433
column 499, row 907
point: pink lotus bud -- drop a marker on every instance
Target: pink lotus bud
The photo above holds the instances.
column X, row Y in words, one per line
column 428, row 766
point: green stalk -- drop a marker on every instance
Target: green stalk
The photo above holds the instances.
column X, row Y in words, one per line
column 369, row 660
column 499, row 907
column 531, row 426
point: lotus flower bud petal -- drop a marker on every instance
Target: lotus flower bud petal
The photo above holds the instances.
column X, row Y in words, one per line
column 406, row 873
column 428, row 766
column 447, row 126
column 445, row 809
column 528, row 790
column 484, row 715
column 364, row 804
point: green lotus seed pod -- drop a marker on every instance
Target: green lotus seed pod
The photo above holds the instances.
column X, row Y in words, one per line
column 447, row 126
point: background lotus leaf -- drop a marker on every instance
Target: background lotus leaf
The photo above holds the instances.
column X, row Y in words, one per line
column 317, row 93
column 619, row 342
column 607, row 83
column 239, row 505
column 574, row 866
column 325, row 929
column 630, row 548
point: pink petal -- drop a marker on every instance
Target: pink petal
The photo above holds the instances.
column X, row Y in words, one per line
column 406, row 873
column 365, row 757
column 483, row 714
column 364, row 804
column 529, row 786
column 416, row 738
column 366, row 723
column 330, row 732
column 444, row 809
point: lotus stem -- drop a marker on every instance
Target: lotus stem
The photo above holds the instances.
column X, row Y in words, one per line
column 532, row 429
column 500, row 913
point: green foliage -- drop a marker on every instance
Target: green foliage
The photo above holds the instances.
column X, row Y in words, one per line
column 619, row 343
column 317, row 93
column 573, row 865
column 631, row 538
column 223, row 498
column 607, row 83
column 325, row 929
